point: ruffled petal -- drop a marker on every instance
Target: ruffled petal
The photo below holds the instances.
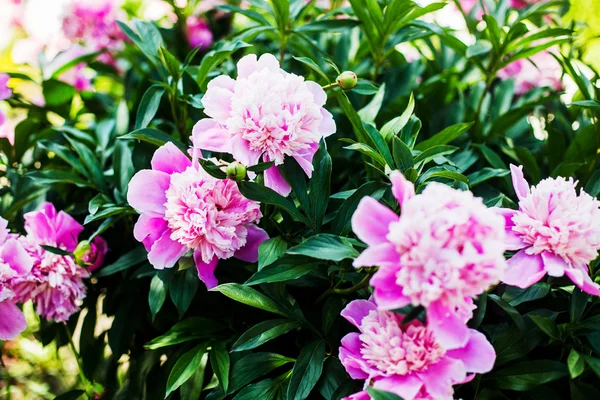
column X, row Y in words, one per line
column 148, row 229
column 523, row 270
column 206, row 271
column 249, row 252
column 449, row 329
column 478, row 355
column 439, row 377
column 327, row 126
column 582, row 280
column 217, row 100
column 553, row 264
column 371, row 220
column 12, row 321
column 208, row 134
column 402, row 188
column 319, row 95
column 377, row 256
column 519, row 183
column 16, row 257
column 388, row 294
column 169, row 159
column 305, row 158
column 241, row 151
column 407, row 386
column 147, row 191
column 165, row 252
column 67, row 231
column 275, row 181
column 356, row 310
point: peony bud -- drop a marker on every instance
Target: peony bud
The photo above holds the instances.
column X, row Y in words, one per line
column 347, row 80
column 91, row 255
column 236, row 171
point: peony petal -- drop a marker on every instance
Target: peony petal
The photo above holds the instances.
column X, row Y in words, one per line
column 352, row 343
column 388, row 294
column 519, row 183
column 582, row 280
column 268, row 61
column 217, row 100
column 350, row 359
column 242, row 153
column 147, row 191
column 247, row 65
column 379, row 255
column 407, row 386
column 319, row 95
column 12, row 321
column 402, row 188
column 275, row 181
column 206, row 271
column 507, row 214
column 513, row 241
column 305, row 158
column 449, row 329
column 356, row 310
column 169, row 159
column 16, row 257
column 553, row 264
column 362, row 395
column 148, row 229
column 523, row 270
column 249, row 252
column 165, row 252
column 39, row 226
column 67, row 231
column 371, row 220
column 327, row 126
column 478, row 355
column 208, row 134
column 439, row 377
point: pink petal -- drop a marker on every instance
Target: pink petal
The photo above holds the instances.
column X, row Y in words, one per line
column 507, row 214
column 523, row 270
column 306, row 157
column 67, row 231
column 356, row 310
column 519, row 183
column 249, row 252
column 478, row 355
column 169, row 159
column 402, row 188
column 319, row 95
column 379, row 255
column 148, row 229
column 439, row 378
column 513, row 241
column 407, row 386
column 147, row 191
column 351, row 358
column 217, row 100
column 371, row 220
column 165, row 252
column 12, row 321
column 582, row 280
column 16, row 257
column 553, row 264
column 241, row 151
column 449, row 329
column 208, row 134
column 248, row 64
column 388, row 294
column 275, row 181
column 362, row 395
column 327, row 126
column 37, row 224
column 352, row 343
column 206, row 271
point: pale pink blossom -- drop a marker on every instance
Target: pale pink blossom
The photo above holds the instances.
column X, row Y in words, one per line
column 183, row 209
column 198, row 32
column 408, row 359
column 55, row 283
column 540, row 70
column 445, row 249
column 555, row 231
column 265, row 113
column 14, row 262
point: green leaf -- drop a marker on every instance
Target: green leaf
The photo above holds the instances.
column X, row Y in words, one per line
column 369, row 112
column 185, row 367
column 260, row 167
column 251, row 297
column 186, row 330
column 319, row 186
column 281, row 271
column 486, row 173
column 183, row 288
column 65, row 154
column 480, row 48
column 393, row 127
column 577, row 304
column 312, row 65
column 329, row 25
column 365, row 88
column 402, row 154
column 380, row 144
column 57, row 93
column 547, row 325
column 159, row 286
column 254, row 366
column 269, row 389
column 586, row 103
column 126, row 261
column 594, row 364
column 433, row 152
column 576, row 364
column 263, row 332
column 441, row 172
column 253, row 15
column 219, row 361
column 51, row 176
column 56, row 250
column 212, row 169
column 221, row 52
column 307, row 370
column 263, row 194
column 270, row 250
column 527, row 375
column 153, row 136
column 325, row 246
column 148, row 106
column 516, row 296
column 445, row 136
column 341, row 221
column 381, row 395
column 70, row 395
column 510, row 310
column 367, row 151
column 91, row 163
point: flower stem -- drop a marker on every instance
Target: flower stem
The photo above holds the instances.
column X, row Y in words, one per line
column 84, row 379
column 331, row 85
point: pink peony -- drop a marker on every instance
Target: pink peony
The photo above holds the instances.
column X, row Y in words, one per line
column 555, row 230
column 55, row 283
column 540, row 70
column 445, row 249
column 408, row 360
column 93, row 257
column 184, row 209
column 266, row 112
column 198, row 32
column 14, row 262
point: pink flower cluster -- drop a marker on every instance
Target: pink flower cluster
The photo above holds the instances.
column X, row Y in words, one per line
column 408, row 359
column 185, row 210
column 265, row 113
column 555, row 231
column 540, row 70
column 5, row 93
column 445, row 249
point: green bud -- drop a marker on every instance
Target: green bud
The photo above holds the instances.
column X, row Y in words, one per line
column 347, row 80
column 81, row 250
column 236, row 171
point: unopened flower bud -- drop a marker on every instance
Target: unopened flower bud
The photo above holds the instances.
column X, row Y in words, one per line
column 236, row 171
column 347, row 80
column 81, row 251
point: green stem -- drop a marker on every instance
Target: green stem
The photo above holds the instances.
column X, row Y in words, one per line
column 284, row 39
column 363, row 283
column 331, row 85
column 85, row 380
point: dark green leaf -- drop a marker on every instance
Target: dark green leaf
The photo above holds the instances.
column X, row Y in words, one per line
column 263, row 332
column 254, row 366
column 270, row 250
column 256, row 192
column 148, row 106
column 126, row 261
column 445, row 136
column 219, row 361
column 186, row 330
column 153, row 136
column 185, row 367
column 307, row 370
column 529, row 374
column 182, row 288
column 325, row 247
column 251, row 297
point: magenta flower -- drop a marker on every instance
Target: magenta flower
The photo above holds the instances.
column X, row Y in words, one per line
column 198, row 32
column 445, row 249
column 408, row 359
column 14, row 261
column 540, row 70
column 5, row 93
column 555, row 230
column 55, row 282
column 266, row 112
column 94, row 257
column 183, row 209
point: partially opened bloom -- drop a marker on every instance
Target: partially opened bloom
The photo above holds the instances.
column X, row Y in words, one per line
column 198, row 32
column 408, row 359
column 91, row 254
column 555, row 230
column 14, row 261
column 183, row 209
column 445, row 249
column 265, row 112
column 55, row 283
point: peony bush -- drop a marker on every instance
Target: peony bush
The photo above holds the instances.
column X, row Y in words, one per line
column 296, row 199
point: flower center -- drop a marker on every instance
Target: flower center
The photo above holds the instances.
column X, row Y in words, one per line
column 396, row 350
